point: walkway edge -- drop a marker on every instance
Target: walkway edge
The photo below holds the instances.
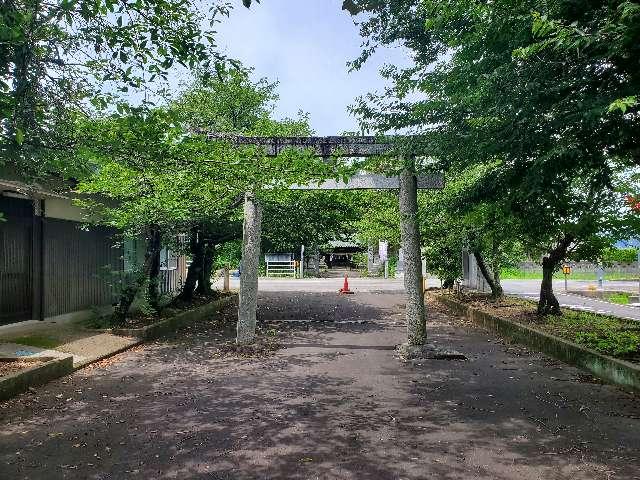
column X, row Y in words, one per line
column 112, row 353
column 602, row 366
column 20, row 382
column 172, row 324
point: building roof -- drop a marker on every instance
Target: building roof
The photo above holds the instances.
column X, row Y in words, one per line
column 343, row 244
column 29, row 190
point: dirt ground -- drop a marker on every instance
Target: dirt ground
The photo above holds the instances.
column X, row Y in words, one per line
column 13, row 366
column 333, row 404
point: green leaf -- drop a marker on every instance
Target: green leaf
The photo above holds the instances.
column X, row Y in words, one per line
column 623, row 104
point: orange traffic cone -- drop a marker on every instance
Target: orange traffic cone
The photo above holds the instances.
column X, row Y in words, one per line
column 345, row 288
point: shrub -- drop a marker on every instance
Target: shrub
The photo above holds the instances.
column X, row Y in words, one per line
column 616, row 343
column 620, row 255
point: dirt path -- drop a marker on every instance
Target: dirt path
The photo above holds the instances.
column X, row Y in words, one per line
column 335, row 404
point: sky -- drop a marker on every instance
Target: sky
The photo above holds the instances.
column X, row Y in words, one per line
column 305, row 45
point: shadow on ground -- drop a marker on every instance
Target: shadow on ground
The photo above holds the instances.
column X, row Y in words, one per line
column 334, row 404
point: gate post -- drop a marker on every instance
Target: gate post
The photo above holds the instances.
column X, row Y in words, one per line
column 410, row 238
column 248, row 299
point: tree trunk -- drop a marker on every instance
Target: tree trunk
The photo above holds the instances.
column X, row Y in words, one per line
column 490, row 277
column 548, row 303
column 496, row 280
column 153, row 248
column 128, row 294
column 204, row 277
column 25, row 108
column 197, row 247
column 496, row 267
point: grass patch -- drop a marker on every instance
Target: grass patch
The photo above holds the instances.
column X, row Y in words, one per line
column 96, row 322
column 517, row 274
column 621, row 298
column 39, row 341
column 609, row 335
column 612, row 336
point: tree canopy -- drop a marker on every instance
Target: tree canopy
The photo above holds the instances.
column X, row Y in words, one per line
column 542, row 91
column 68, row 56
column 309, row 218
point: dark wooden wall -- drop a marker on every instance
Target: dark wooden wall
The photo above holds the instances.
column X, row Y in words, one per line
column 16, row 253
column 77, row 266
column 50, row 267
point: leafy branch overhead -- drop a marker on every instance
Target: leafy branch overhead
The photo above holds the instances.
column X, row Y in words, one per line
column 68, row 56
column 544, row 92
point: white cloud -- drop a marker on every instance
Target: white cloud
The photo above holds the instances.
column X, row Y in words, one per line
column 305, row 45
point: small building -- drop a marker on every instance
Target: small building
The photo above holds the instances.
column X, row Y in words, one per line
column 54, row 266
column 340, row 254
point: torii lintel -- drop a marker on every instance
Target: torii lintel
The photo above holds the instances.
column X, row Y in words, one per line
column 340, row 146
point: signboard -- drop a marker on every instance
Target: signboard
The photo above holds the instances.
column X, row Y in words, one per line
column 383, row 248
column 278, row 257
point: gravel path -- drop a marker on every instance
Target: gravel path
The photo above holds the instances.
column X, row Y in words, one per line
column 334, row 404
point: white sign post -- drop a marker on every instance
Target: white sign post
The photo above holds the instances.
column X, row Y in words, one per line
column 383, row 253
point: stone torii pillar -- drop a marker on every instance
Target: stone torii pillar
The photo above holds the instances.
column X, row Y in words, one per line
column 410, row 238
column 248, row 298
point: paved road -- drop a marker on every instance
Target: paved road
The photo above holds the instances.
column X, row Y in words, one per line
column 362, row 285
column 524, row 288
column 335, row 404
column 530, row 289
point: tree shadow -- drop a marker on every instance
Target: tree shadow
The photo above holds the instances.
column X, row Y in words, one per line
column 335, row 404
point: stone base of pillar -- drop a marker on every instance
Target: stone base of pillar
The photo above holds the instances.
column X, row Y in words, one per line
column 408, row 352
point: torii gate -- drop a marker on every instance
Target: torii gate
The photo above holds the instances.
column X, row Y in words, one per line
column 342, row 146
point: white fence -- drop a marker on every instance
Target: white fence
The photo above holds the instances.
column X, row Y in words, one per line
column 280, row 265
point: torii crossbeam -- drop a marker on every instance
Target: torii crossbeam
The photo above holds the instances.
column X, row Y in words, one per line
column 342, row 146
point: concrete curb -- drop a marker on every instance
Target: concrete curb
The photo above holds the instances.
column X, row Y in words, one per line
column 19, row 382
column 172, row 324
column 602, row 366
column 112, row 353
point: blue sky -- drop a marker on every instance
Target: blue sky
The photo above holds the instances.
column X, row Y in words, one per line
column 305, row 45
